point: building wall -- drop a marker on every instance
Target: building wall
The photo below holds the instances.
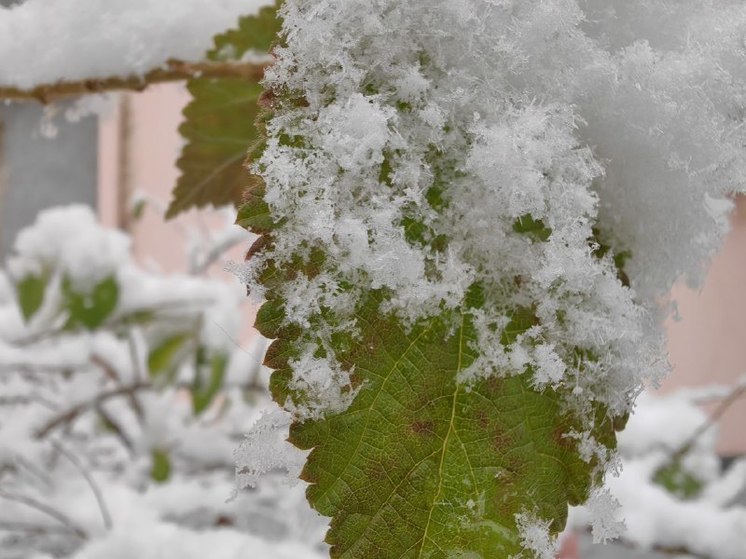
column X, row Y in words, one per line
column 38, row 172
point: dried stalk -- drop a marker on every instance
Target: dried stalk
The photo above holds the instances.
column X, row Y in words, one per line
column 89, row 479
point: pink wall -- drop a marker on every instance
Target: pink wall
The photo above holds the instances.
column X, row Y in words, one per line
column 139, row 144
column 707, row 346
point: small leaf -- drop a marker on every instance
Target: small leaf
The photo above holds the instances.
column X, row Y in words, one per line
column 203, row 395
column 677, row 481
column 160, row 471
column 164, row 357
column 138, row 209
column 534, row 228
column 30, row 291
column 602, row 248
column 219, row 124
column 90, row 310
column 521, row 321
column 137, row 317
column 254, row 213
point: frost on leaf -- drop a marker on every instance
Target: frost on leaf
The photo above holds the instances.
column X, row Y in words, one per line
column 462, row 318
column 265, row 449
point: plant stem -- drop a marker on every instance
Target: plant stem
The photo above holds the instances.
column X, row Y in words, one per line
column 737, row 392
column 89, row 479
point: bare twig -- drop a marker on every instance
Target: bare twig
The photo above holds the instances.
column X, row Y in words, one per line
column 71, row 414
column 738, row 392
column 118, row 430
column 173, row 70
column 89, row 479
column 108, row 369
column 113, row 374
column 47, row 510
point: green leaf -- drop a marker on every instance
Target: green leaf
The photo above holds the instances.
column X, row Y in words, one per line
column 219, row 124
column 160, row 470
column 677, row 481
column 165, row 357
column 254, row 33
column 534, row 228
column 521, row 321
column 138, row 209
column 203, row 394
column 30, row 291
column 254, row 213
column 601, row 248
column 90, row 310
column 421, row 465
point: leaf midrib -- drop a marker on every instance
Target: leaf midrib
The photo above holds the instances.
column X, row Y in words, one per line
column 444, row 450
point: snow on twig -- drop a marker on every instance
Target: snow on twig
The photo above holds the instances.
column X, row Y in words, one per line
column 174, row 70
column 75, row 411
column 105, row 514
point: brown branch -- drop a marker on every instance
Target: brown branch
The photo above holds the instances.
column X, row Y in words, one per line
column 112, row 374
column 737, row 392
column 116, row 428
column 72, row 414
column 171, row 71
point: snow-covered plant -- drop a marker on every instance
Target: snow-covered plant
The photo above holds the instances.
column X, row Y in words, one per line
column 123, row 395
column 672, row 490
column 469, row 214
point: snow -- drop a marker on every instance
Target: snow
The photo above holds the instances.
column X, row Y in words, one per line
column 535, row 536
column 42, row 42
column 655, row 517
column 603, row 507
column 155, row 541
column 648, row 515
column 69, row 240
column 265, row 449
column 52, row 372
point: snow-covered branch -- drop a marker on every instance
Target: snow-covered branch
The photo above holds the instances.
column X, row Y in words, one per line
column 171, row 71
column 80, row 41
